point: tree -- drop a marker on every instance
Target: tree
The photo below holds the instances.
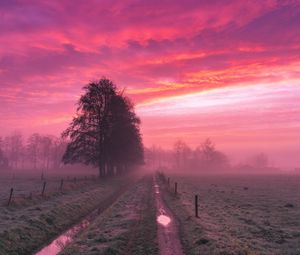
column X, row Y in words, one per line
column 259, row 160
column 125, row 135
column 59, row 146
column 33, row 145
column 209, row 157
column 105, row 131
column 182, row 154
column 13, row 147
column 3, row 159
column 46, row 144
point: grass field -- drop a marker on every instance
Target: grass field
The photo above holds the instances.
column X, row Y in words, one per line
column 29, row 188
column 238, row 214
column 28, row 223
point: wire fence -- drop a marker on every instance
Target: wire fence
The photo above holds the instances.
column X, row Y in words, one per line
column 19, row 190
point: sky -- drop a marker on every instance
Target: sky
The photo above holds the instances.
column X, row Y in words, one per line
column 224, row 69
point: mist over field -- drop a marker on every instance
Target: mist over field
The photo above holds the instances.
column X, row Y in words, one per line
column 149, row 127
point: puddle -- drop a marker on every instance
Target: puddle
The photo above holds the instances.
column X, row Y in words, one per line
column 163, row 220
column 156, row 189
column 57, row 245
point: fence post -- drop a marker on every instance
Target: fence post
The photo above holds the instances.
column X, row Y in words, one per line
column 196, row 206
column 43, row 191
column 175, row 188
column 10, row 196
column 61, row 184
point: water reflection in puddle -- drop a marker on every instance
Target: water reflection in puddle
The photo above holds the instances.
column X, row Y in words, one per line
column 156, row 188
column 163, row 220
column 63, row 240
column 162, row 217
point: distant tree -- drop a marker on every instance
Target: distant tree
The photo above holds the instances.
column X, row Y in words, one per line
column 210, row 157
column 208, row 150
column 46, row 145
column 12, row 148
column 33, row 148
column 58, row 149
column 3, row 159
column 182, row 154
column 259, row 161
column 105, row 132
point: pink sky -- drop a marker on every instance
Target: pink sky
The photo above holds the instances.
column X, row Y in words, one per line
column 228, row 70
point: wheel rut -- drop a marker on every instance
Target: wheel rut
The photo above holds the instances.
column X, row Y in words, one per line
column 167, row 229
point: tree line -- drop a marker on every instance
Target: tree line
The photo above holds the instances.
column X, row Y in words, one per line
column 105, row 133
column 205, row 158
column 182, row 157
column 36, row 152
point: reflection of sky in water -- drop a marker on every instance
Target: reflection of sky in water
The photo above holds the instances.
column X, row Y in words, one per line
column 163, row 220
column 156, row 187
column 60, row 243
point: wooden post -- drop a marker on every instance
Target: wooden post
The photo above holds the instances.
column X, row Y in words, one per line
column 168, row 181
column 61, row 184
column 196, row 206
column 44, row 187
column 10, row 196
column 175, row 188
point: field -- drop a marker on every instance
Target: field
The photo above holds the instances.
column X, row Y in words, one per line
column 238, row 214
column 28, row 188
column 30, row 222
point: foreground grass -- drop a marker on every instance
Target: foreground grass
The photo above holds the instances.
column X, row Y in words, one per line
column 23, row 230
column 237, row 215
column 127, row 227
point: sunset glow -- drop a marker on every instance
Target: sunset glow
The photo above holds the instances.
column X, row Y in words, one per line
column 194, row 69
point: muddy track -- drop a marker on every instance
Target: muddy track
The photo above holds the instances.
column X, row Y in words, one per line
column 163, row 222
column 130, row 222
column 100, row 208
column 168, row 225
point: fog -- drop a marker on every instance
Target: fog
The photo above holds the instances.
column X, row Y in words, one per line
column 207, row 159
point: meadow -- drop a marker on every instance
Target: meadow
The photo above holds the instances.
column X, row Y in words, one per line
column 238, row 214
column 31, row 221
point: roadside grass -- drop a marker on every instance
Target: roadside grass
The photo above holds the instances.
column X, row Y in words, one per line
column 127, row 227
column 234, row 220
column 25, row 229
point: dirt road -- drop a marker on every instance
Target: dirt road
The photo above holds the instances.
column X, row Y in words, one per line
column 168, row 237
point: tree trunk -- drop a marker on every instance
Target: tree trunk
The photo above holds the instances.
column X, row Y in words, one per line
column 101, row 170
